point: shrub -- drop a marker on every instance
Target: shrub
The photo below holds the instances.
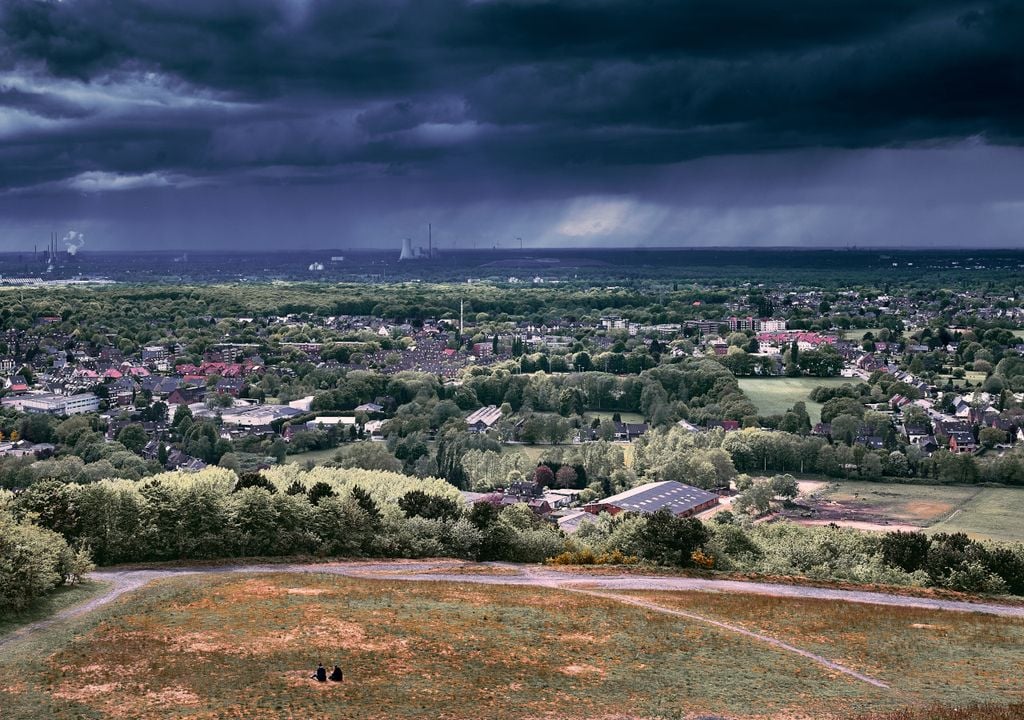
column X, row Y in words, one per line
column 587, row 556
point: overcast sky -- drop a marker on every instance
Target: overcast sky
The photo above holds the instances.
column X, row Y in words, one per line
column 339, row 123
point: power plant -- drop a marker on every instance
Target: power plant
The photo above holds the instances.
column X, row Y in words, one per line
column 73, row 242
column 409, row 252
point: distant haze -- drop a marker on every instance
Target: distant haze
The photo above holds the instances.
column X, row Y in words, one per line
column 263, row 124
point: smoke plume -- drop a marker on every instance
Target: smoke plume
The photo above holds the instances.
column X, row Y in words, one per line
column 74, row 242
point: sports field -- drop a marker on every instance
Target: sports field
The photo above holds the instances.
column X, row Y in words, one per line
column 243, row 646
column 774, row 396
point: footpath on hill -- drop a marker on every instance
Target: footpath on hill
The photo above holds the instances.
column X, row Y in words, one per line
column 121, row 581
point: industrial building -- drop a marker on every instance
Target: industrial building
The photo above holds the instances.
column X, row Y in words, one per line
column 54, row 404
column 483, row 419
column 253, row 416
column 681, row 500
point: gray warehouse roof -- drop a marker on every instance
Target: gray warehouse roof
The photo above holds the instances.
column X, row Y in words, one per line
column 652, row 497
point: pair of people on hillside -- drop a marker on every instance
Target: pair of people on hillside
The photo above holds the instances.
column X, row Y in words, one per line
column 321, row 674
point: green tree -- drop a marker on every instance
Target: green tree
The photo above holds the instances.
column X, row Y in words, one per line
column 669, row 540
column 991, row 436
column 785, row 486
column 417, row 503
column 756, row 500
column 133, row 437
column 32, row 562
column 370, row 456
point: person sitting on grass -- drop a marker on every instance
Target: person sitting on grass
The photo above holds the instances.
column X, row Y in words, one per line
column 336, row 675
column 321, row 673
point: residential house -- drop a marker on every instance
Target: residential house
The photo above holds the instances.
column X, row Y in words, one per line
column 962, row 441
column 822, row 429
column 629, row 431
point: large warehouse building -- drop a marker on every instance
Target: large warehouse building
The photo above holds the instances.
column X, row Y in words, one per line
column 681, row 500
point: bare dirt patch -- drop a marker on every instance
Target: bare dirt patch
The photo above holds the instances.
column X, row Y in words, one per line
column 884, row 526
column 84, row 693
column 306, row 591
column 582, row 639
column 848, row 510
column 574, row 670
column 260, row 589
column 170, row 697
column 925, row 510
column 929, row 626
column 808, row 487
column 351, row 636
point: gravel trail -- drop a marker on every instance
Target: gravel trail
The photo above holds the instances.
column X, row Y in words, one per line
column 124, row 581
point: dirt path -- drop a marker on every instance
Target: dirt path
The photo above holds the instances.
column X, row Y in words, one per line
column 118, row 583
column 774, row 642
column 124, row 581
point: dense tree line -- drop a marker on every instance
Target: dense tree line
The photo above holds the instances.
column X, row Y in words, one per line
column 356, row 513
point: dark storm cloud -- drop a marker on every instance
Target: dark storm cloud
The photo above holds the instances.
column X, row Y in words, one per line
column 604, row 120
column 535, row 87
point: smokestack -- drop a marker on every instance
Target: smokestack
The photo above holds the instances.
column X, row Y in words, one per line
column 407, row 253
column 430, row 241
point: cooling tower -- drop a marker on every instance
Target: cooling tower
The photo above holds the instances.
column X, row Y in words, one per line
column 407, row 251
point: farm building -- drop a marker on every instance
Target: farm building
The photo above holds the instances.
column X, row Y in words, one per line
column 483, row 419
column 681, row 500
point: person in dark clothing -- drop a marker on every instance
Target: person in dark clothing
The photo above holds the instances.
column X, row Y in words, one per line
column 336, row 675
column 321, row 673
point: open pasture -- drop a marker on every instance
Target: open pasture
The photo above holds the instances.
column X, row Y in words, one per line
column 981, row 512
column 926, row 657
column 776, row 395
column 244, row 646
column 626, row 417
column 857, row 334
column 993, row 513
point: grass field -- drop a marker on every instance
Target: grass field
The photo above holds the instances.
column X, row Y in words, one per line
column 993, row 513
column 242, row 646
column 318, row 457
column 774, row 396
column 981, row 512
column 626, row 417
column 925, row 656
column 53, row 603
column 856, row 335
column 974, row 377
column 535, row 452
